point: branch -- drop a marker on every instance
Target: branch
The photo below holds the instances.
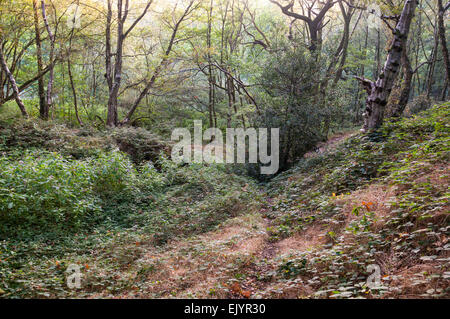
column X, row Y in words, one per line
column 285, row 10
column 367, row 84
column 243, row 86
column 447, row 6
column 354, row 6
column 47, row 26
column 28, row 83
column 162, row 64
column 138, row 19
column 420, row 65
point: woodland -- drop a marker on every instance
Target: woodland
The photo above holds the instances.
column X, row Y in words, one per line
column 92, row 90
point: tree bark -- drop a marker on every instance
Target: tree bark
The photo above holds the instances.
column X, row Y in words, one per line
column 52, row 55
column 114, row 77
column 441, row 28
column 431, row 68
column 405, row 92
column 380, row 90
column 43, row 107
column 11, row 79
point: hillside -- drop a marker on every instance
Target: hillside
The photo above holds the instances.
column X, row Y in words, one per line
column 140, row 226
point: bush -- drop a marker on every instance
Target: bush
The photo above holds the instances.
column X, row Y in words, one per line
column 293, row 103
column 419, row 104
column 140, row 144
column 80, row 143
column 47, row 192
column 49, row 195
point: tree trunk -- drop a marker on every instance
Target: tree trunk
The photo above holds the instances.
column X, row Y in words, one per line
column 74, row 92
column 430, row 73
column 11, row 79
column 381, row 89
column 211, row 102
column 112, row 117
column 315, row 25
column 52, row 55
column 405, row 92
column 112, row 107
column 363, row 74
column 344, row 42
column 441, row 28
column 114, row 77
column 72, row 83
column 230, row 86
column 43, row 107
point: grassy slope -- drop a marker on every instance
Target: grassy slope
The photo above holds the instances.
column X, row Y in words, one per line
column 311, row 233
column 77, row 200
column 374, row 200
column 379, row 200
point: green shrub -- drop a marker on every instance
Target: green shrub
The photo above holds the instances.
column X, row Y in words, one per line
column 47, row 192
column 44, row 191
column 139, row 143
column 80, row 143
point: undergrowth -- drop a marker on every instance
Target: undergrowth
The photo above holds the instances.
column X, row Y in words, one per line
column 378, row 201
column 407, row 232
column 58, row 209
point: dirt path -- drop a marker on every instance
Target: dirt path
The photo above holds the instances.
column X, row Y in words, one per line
column 331, row 144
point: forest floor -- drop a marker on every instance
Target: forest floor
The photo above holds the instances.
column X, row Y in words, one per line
column 253, row 256
column 231, row 261
column 365, row 216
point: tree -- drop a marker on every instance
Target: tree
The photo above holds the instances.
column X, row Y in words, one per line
column 290, row 102
column 11, row 79
column 114, row 71
column 441, row 27
column 380, row 90
column 16, row 41
column 314, row 18
column 164, row 61
column 52, row 38
column 43, row 106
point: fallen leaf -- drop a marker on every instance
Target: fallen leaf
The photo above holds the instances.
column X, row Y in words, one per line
column 236, row 288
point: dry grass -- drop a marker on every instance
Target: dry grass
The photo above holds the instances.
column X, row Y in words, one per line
column 410, row 281
column 311, row 239
column 377, row 197
column 198, row 267
column 331, row 144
